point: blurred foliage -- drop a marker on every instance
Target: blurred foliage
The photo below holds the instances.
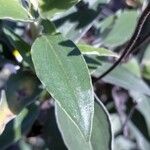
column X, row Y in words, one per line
column 29, row 118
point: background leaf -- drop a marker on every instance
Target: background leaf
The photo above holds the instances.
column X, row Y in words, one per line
column 12, row 9
column 122, row 31
column 50, row 7
column 21, row 90
column 122, row 77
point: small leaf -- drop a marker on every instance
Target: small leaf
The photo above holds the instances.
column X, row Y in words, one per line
column 101, row 137
column 12, row 9
column 62, row 70
column 88, row 49
column 50, row 7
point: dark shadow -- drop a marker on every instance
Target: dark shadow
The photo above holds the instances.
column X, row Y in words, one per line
column 67, row 43
column 91, row 61
column 70, row 44
column 8, row 136
column 74, row 52
column 139, row 121
column 29, row 119
column 96, row 100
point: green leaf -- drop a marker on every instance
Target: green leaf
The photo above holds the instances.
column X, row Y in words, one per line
column 122, row 77
column 143, row 105
column 61, row 68
column 101, row 132
column 122, row 29
column 21, row 90
column 12, row 9
column 19, row 127
column 88, row 49
column 50, row 7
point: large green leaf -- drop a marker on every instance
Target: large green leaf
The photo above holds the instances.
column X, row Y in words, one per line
column 61, row 68
column 12, row 9
column 101, row 131
column 49, row 7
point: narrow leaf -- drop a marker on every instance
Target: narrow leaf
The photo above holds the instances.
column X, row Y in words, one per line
column 18, row 127
column 146, row 64
column 88, row 49
column 61, row 68
column 122, row 77
column 101, row 131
